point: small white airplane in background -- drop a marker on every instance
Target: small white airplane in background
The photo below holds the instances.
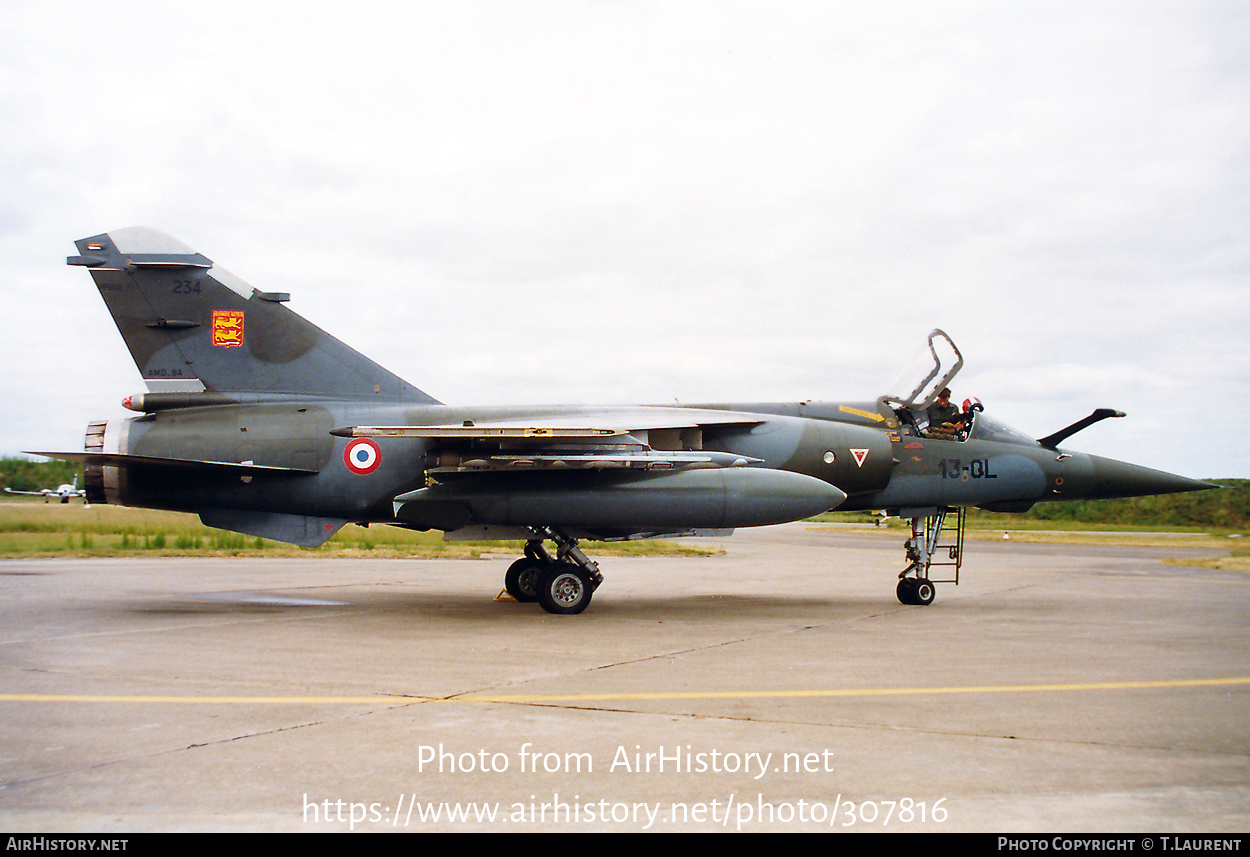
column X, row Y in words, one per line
column 63, row 492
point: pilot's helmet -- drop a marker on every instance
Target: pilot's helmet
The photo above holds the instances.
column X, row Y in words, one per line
column 973, row 404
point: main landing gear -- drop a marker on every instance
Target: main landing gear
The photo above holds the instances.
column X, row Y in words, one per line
column 562, row 584
column 915, row 586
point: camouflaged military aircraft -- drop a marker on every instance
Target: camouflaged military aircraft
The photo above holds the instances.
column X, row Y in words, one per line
column 261, row 423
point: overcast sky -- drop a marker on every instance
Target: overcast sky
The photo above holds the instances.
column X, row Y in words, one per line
column 624, row 202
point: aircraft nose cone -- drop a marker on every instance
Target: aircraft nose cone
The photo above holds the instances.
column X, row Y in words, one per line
column 1109, row 478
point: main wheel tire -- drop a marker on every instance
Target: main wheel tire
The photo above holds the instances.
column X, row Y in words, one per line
column 521, row 579
column 564, row 589
column 924, row 592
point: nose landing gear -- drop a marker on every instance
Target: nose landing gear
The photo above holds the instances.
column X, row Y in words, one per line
column 915, row 586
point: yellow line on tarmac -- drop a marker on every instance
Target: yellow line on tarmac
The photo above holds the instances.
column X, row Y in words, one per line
column 849, row 692
column 610, row 697
column 214, row 700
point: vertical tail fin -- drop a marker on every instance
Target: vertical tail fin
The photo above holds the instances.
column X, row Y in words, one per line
column 192, row 326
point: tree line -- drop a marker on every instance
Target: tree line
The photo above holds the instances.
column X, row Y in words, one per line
column 1227, row 509
column 23, row 474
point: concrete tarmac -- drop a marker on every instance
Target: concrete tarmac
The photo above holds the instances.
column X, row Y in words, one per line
column 778, row 687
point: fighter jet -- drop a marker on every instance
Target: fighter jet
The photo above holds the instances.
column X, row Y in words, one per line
column 63, row 492
column 262, row 423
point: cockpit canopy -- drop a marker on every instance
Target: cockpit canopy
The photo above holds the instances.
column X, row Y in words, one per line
column 936, row 365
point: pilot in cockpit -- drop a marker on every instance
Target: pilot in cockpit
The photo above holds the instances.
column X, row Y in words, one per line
column 945, row 420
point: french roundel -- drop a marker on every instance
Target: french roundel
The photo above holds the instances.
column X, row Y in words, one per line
column 362, row 456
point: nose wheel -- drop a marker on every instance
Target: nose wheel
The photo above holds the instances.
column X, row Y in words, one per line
column 917, row 591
